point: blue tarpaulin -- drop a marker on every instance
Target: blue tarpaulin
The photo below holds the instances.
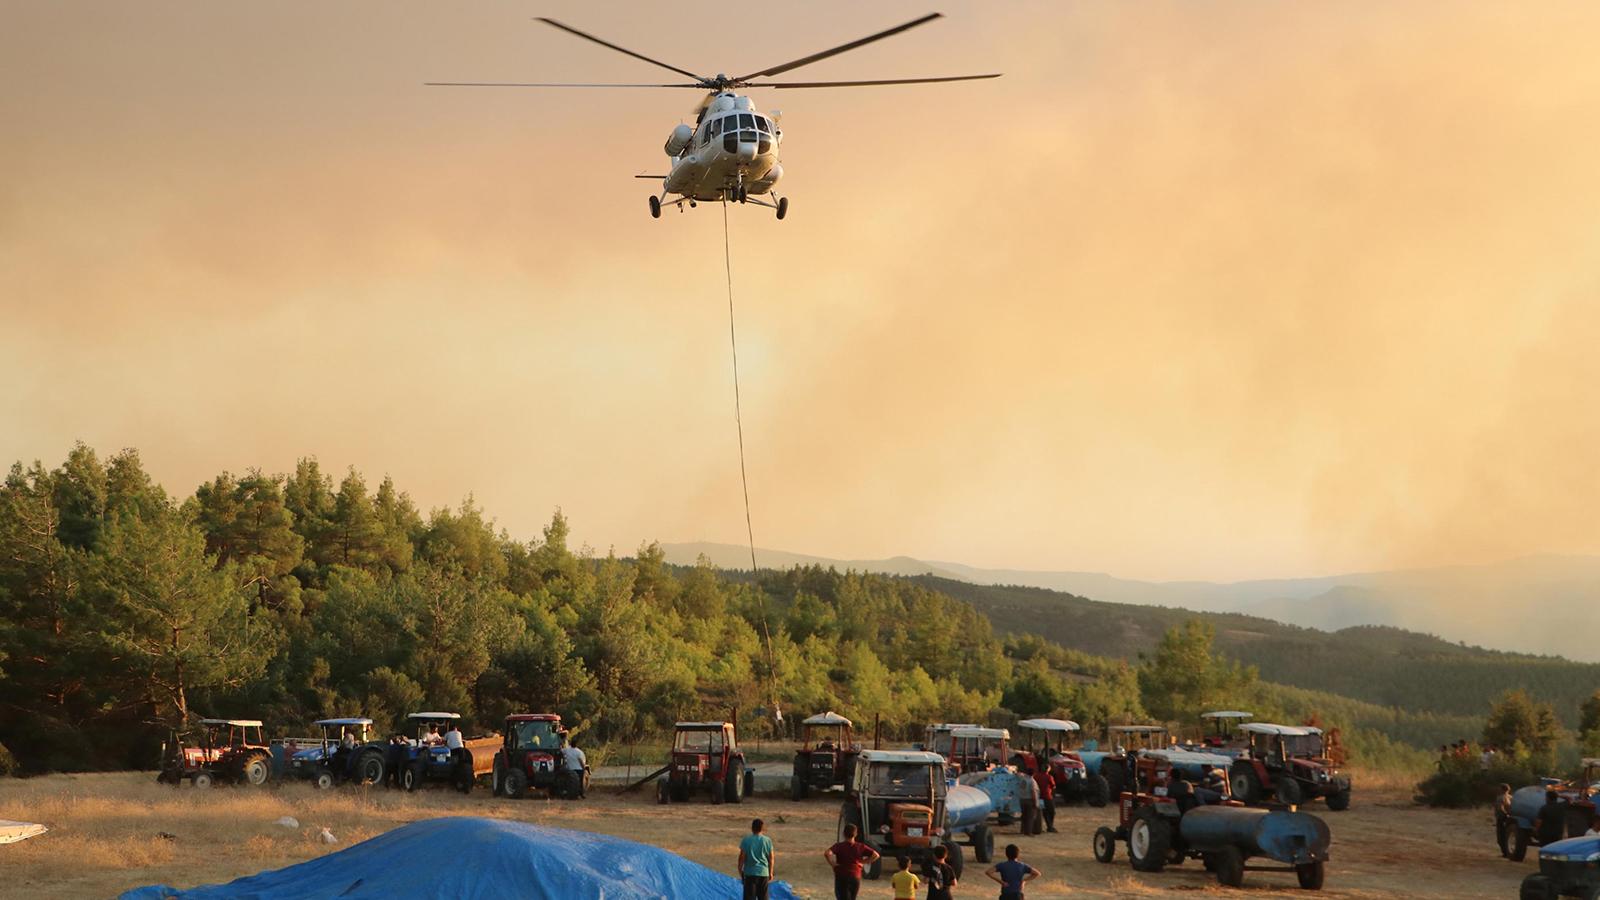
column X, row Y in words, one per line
column 479, row 859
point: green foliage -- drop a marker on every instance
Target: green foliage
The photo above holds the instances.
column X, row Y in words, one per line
column 1183, row 678
column 1517, row 720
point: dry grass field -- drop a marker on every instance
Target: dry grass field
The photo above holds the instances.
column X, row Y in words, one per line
column 112, row 832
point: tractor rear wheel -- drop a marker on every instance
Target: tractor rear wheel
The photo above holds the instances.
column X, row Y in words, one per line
column 749, row 784
column 873, row 869
column 736, row 789
column 1310, row 875
column 463, row 777
column 1105, row 844
column 982, row 844
column 719, row 791
column 1111, row 770
column 1149, row 841
column 1593, row 893
column 1245, row 784
column 201, row 779
column 663, row 794
column 256, row 770
column 497, row 778
column 370, row 768
column 1519, row 845
column 1340, row 801
column 516, row 784
column 797, row 788
column 1096, row 790
column 1228, row 863
column 1289, row 791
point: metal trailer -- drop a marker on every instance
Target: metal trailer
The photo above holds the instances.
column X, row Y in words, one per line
column 1169, row 824
column 1528, row 801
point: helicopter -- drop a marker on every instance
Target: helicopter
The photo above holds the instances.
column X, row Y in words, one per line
column 730, row 154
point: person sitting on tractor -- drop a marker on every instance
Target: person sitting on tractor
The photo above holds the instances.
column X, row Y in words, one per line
column 433, row 736
column 1210, row 790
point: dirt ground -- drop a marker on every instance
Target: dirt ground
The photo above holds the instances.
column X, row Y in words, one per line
column 112, row 832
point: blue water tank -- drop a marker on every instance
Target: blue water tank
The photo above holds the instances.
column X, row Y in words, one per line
column 965, row 808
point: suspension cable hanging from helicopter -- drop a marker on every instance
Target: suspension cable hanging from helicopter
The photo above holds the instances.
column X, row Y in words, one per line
column 744, row 479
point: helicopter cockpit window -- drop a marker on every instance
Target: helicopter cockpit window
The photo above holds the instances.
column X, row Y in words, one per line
column 747, row 121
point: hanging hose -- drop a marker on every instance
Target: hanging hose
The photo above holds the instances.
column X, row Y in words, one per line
column 744, row 480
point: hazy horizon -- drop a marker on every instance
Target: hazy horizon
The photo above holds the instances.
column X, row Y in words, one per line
column 1219, row 292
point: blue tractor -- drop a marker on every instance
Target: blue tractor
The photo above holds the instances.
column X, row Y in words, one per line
column 427, row 759
column 344, row 753
column 1569, row 868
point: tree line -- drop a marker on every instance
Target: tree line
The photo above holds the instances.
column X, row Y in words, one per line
column 125, row 612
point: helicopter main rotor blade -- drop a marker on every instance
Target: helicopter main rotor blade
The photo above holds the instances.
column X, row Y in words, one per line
column 552, row 85
column 815, row 57
column 589, row 37
column 824, row 84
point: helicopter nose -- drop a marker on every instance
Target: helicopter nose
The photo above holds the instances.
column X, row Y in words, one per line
column 747, row 151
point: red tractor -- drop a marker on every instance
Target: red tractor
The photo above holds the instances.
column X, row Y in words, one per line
column 231, row 750
column 827, row 755
column 1287, row 763
column 706, row 757
column 1164, row 819
column 536, row 753
column 1051, row 742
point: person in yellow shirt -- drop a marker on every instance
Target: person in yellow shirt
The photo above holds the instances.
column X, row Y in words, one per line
column 905, row 881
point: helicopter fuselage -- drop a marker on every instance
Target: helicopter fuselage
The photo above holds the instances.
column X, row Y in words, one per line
column 731, row 152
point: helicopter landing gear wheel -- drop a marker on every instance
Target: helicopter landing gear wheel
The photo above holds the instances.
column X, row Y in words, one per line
column 783, row 207
column 655, row 207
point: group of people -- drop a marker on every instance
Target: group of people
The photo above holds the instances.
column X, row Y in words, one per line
column 1462, row 749
column 850, row 856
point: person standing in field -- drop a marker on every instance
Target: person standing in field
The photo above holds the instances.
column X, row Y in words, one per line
column 905, row 882
column 941, row 876
column 757, row 860
column 1502, row 819
column 846, row 858
column 1012, row 874
column 1047, row 796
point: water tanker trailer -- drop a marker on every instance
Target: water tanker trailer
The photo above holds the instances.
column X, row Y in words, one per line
column 1527, row 802
column 1171, row 824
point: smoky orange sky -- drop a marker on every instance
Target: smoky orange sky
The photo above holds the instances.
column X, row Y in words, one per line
column 1197, row 290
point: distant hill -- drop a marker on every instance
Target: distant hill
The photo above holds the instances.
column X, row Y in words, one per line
column 1543, row 604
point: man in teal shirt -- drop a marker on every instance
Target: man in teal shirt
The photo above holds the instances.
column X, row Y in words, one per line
column 756, row 861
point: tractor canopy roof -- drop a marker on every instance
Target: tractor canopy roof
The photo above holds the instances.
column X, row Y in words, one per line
column 1049, row 724
column 1226, row 714
column 337, row 723
column 1284, row 730
column 827, row 718
column 982, row 733
column 903, row 757
column 1136, row 729
column 951, row 726
column 241, row 723
column 533, row 717
column 701, row 726
column 1589, row 762
column 434, row 715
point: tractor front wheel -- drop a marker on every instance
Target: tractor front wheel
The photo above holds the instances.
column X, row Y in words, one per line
column 1228, row 863
column 874, row 869
column 797, row 788
column 201, row 779
column 1289, row 791
column 663, row 793
column 955, row 858
column 324, row 779
column 411, row 778
column 1310, row 875
column 1105, row 844
column 1245, row 784
column 1339, row 802
column 1536, row 887
column 516, row 784
column 719, row 791
column 256, row 770
column 1149, row 841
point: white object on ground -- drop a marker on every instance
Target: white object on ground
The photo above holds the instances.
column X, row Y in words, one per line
column 11, row 832
column 327, row 837
column 288, row 822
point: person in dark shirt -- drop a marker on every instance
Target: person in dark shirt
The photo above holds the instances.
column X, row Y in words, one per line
column 1551, row 825
column 1012, row 874
column 847, row 858
column 941, row 875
